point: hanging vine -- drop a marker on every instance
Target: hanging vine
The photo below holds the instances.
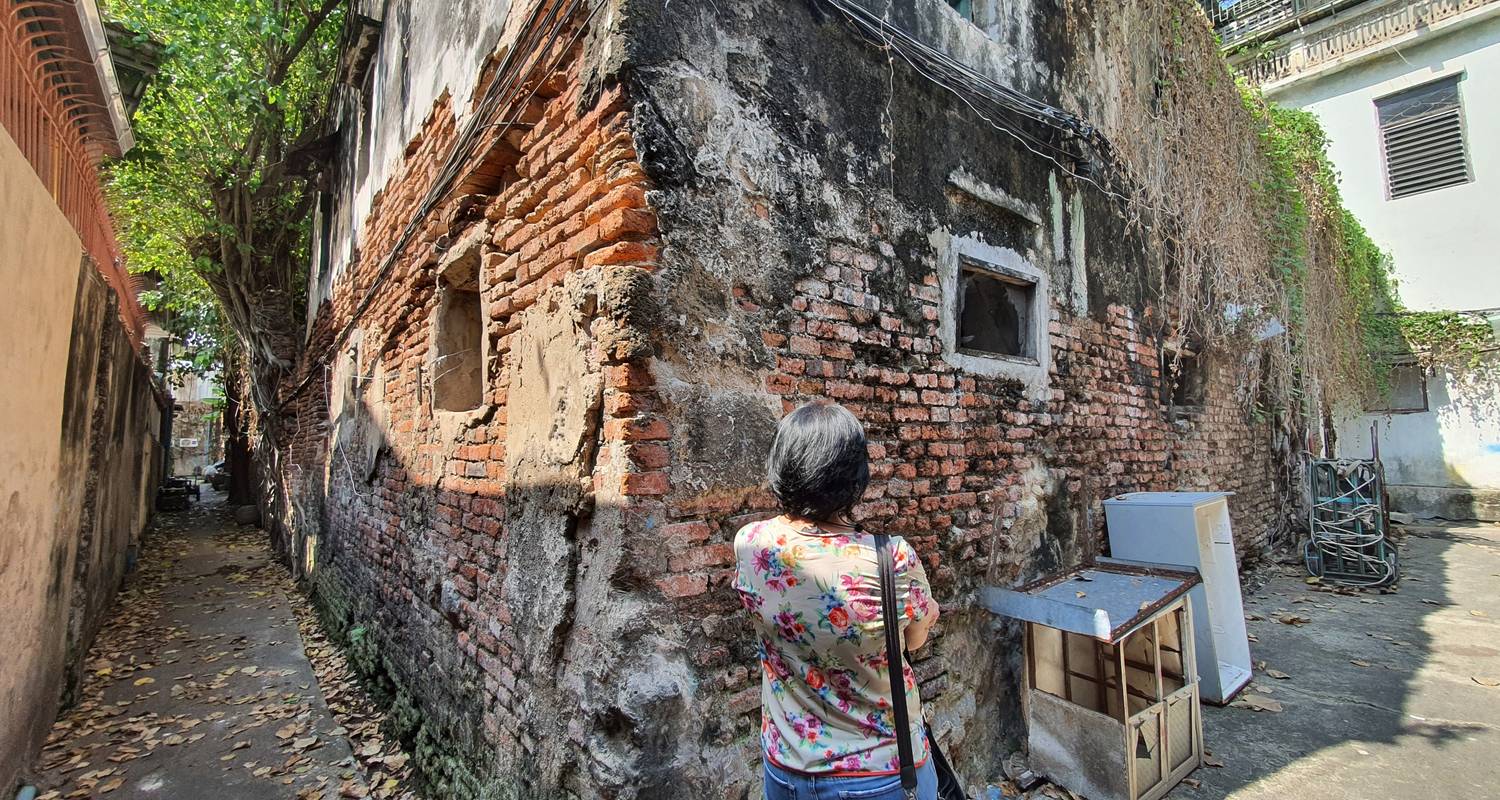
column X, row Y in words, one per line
column 1240, row 195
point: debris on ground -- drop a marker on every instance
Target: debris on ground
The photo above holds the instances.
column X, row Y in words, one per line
column 198, row 686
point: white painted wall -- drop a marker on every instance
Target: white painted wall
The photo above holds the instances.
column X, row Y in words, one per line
column 1445, row 247
column 427, row 48
column 1451, row 449
column 1445, row 243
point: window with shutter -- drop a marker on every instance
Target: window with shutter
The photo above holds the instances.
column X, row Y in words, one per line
column 1422, row 135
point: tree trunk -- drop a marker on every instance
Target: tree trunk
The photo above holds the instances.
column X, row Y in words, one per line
column 237, row 452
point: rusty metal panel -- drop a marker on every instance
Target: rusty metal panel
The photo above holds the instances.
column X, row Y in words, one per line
column 1104, row 601
column 53, row 120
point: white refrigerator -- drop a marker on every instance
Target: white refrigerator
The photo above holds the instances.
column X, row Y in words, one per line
column 1191, row 529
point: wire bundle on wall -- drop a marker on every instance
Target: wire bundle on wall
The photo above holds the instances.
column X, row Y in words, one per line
column 1078, row 148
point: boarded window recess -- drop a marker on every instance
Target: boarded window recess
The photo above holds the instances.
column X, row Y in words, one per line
column 1406, row 392
column 458, row 359
column 1422, row 138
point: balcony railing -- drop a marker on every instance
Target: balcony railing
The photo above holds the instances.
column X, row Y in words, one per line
column 42, row 115
column 1237, row 20
column 1285, row 49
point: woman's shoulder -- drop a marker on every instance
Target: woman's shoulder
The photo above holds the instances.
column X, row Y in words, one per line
column 752, row 532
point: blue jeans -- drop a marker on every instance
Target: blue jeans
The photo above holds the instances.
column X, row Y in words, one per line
column 784, row 784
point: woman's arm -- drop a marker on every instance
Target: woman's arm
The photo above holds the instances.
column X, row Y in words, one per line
column 920, row 607
column 916, row 632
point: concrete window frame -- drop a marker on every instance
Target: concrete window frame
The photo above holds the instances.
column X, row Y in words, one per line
column 960, row 253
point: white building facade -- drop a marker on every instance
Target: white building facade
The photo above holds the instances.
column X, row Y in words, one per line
column 1409, row 95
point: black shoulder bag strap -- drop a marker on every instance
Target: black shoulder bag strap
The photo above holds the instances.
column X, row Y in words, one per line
column 895, row 663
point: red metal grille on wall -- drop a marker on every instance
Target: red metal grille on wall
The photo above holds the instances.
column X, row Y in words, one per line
column 48, row 110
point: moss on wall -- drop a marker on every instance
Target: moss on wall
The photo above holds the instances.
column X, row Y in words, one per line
column 447, row 767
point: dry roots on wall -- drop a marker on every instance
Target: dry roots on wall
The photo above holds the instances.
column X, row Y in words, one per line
column 1241, row 198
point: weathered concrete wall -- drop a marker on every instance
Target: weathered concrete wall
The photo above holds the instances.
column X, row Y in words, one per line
column 718, row 210
column 74, row 501
column 39, row 264
column 814, row 199
column 119, row 450
column 198, row 420
column 1445, row 461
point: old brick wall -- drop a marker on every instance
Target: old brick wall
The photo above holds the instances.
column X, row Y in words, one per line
column 811, row 196
column 708, row 215
column 474, row 560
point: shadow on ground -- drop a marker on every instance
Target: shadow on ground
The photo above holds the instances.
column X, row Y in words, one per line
column 1388, row 695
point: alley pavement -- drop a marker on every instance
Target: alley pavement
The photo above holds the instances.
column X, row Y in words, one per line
column 200, row 686
column 1392, row 695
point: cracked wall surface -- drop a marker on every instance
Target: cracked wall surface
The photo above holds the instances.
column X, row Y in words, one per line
column 713, row 213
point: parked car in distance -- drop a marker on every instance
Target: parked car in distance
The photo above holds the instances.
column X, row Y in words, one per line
column 217, row 475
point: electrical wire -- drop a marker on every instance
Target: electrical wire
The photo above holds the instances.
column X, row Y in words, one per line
column 502, row 93
column 1005, row 109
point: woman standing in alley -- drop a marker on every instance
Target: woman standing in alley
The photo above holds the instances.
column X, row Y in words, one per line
column 811, row 583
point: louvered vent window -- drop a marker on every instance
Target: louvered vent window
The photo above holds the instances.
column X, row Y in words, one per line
column 1422, row 133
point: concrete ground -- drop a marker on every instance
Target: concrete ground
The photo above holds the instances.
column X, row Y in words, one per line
column 199, row 686
column 1389, row 696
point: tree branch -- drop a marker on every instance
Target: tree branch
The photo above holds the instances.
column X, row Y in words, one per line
column 279, row 70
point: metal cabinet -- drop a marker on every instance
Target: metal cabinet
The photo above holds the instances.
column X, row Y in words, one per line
column 1192, row 529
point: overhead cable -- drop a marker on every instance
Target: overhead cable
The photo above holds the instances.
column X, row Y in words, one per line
column 1070, row 142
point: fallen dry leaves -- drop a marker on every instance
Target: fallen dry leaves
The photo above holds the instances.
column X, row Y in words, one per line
column 155, row 689
column 1256, row 702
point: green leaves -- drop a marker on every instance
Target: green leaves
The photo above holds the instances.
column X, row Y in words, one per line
column 240, row 81
column 1337, row 280
column 1454, row 340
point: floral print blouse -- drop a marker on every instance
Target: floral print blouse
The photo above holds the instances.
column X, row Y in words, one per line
column 814, row 597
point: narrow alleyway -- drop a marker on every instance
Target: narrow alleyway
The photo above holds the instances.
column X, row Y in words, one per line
column 1391, row 695
column 201, row 686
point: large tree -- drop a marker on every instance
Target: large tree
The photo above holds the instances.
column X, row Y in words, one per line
column 215, row 197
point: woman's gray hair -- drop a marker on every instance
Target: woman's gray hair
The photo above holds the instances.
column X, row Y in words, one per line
column 818, row 466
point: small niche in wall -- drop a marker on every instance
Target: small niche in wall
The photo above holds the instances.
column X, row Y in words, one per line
column 458, row 336
column 1184, row 383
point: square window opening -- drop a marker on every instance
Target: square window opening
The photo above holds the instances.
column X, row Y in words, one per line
column 996, row 313
column 1406, row 392
column 458, row 359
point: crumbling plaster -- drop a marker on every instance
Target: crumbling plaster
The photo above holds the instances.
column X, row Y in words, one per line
column 427, row 49
column 778, row 170
column 548, row 579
